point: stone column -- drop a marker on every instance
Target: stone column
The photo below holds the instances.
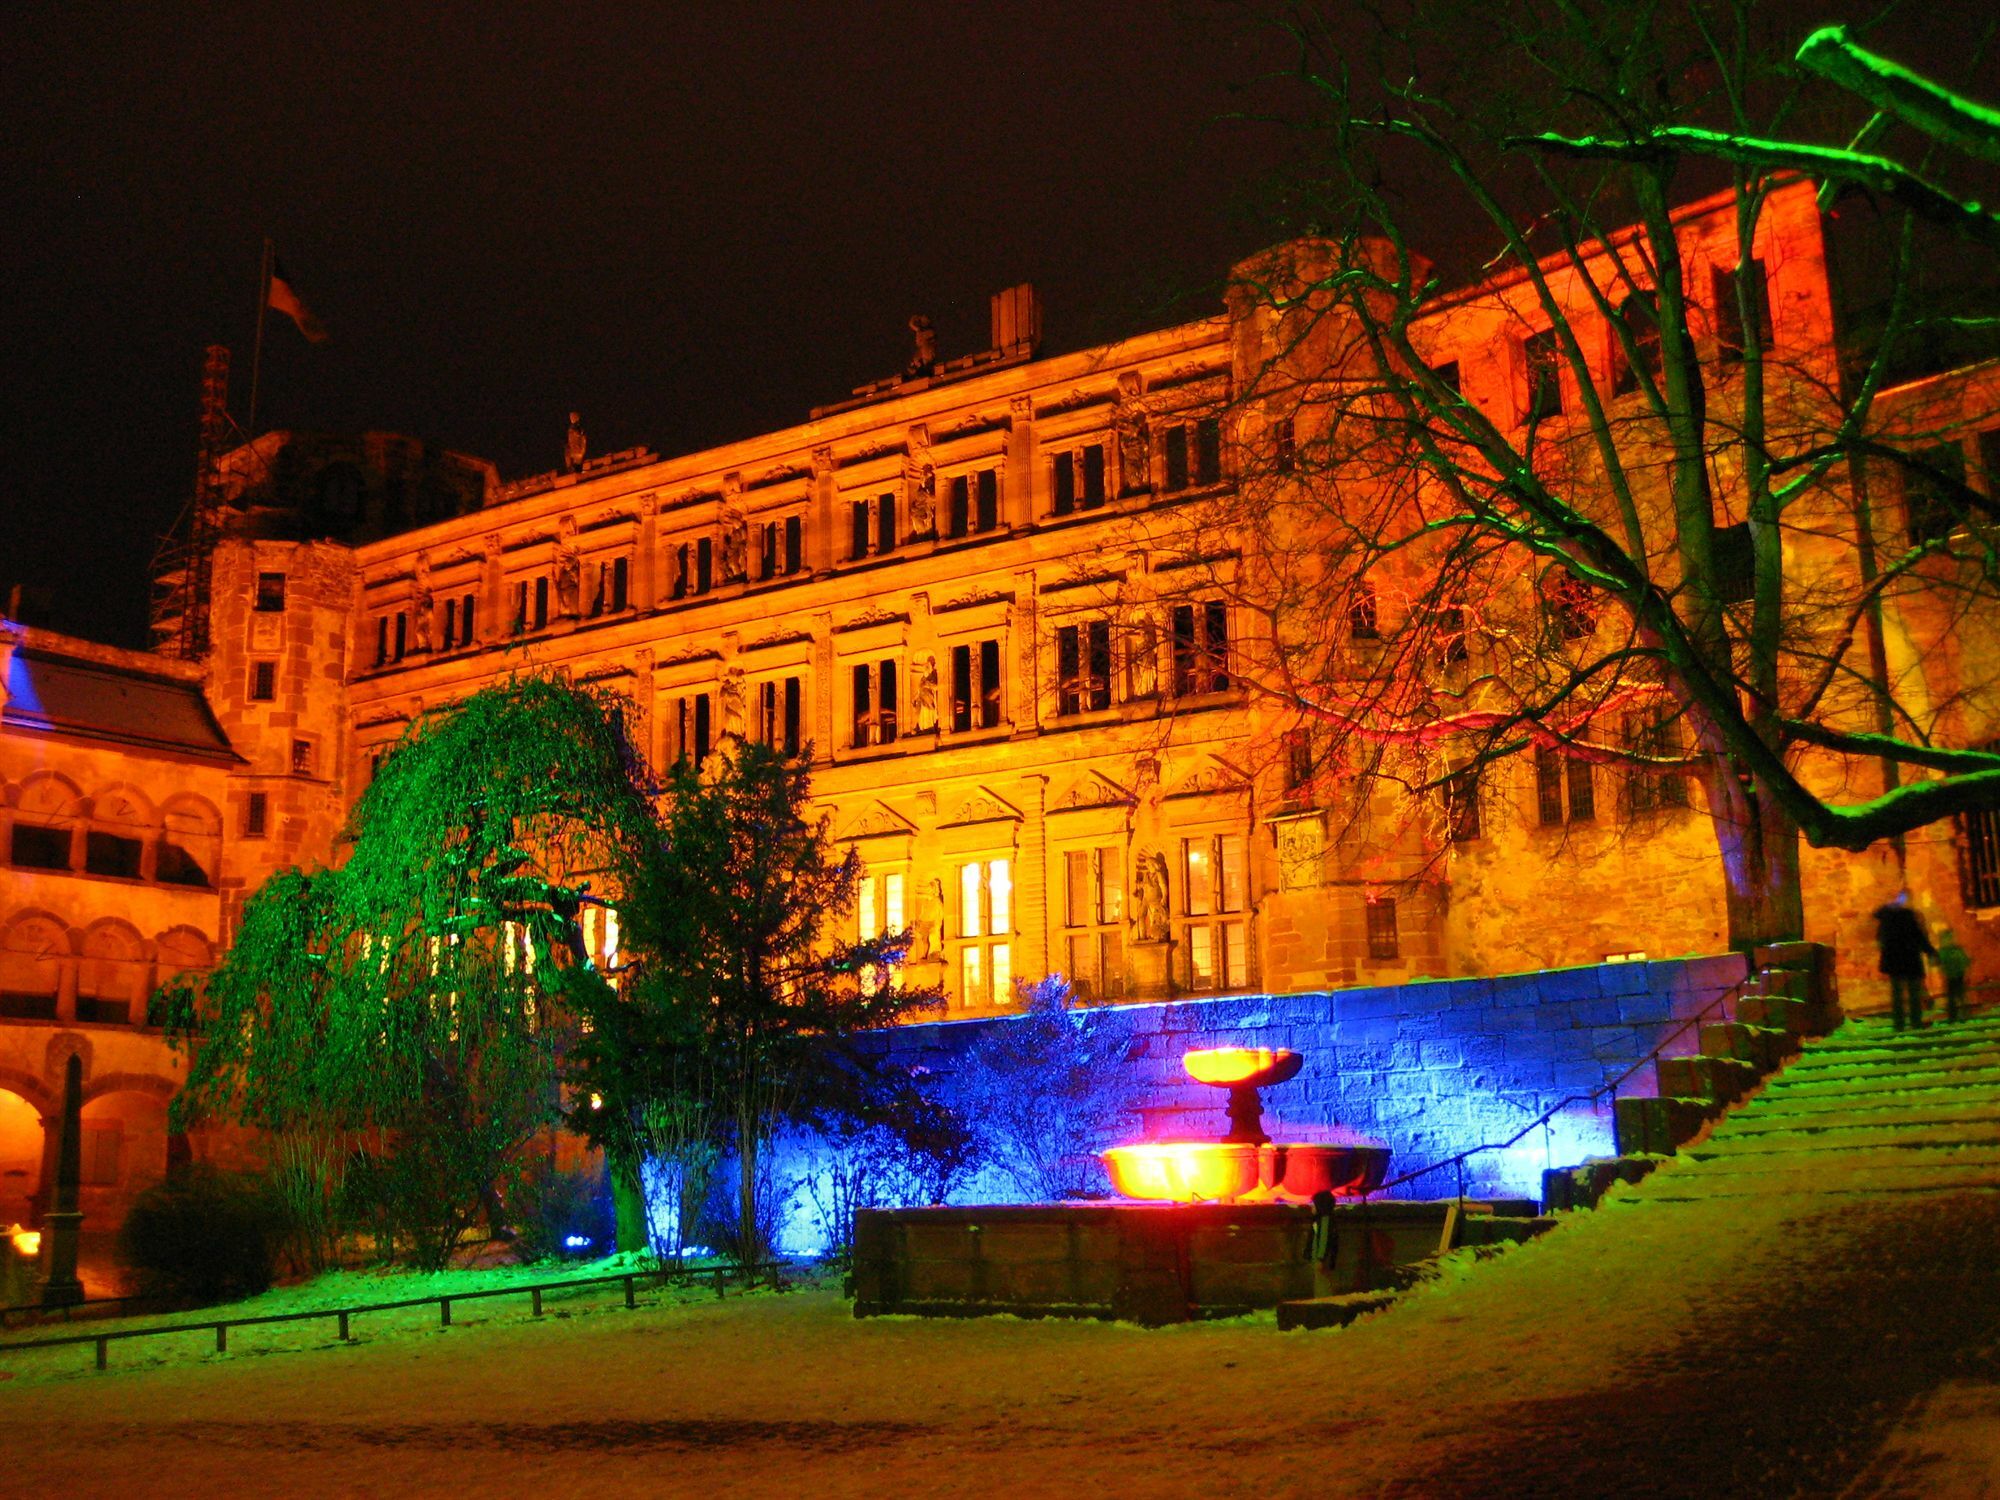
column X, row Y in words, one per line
column 646, row 565
column 1022, row 625
column 62, row 1224
column 820, row 549
column 1023, row 503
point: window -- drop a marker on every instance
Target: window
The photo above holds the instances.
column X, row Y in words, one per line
column 256, row 815
column 985, row 923
column 878, row 913
column 1094, row 921
column 1979, row 856
column 402, row 632
column 38, row 848
column 1640, row 313
column 1083, row 667
column 1656, row 735
column 1201, row 648
column 450, row 624
column 690, row 727
column 1461, row 805
column 1929, row 482
column 974, row 503
column 975, row 686
column 263, row 681
column 1298, row 762
column 1284, row 446
column 1543, row 359
column 270, row 593
column 531, row 604
column 381, row 639
column 1364, row 622
column 873, row 527
column 614, row 584
column 1735, row 564
column 1194, row 453
column 1557, row 774
column 302, row 757
column 1384, row 941
column 874, row 703
column 177, row 865
column 783, row 550
column 1568, row 605
column 1214, row 934
column 392, row 637
column 1448, row 377
column 779, row 706
column 111, row 854
column 1728, row 290
column 1078, row 479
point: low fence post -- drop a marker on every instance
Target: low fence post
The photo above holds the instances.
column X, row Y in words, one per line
column 103, row 1351
column 343, row 1328
column 444, row 1312
column 535, row 1294
column 221, row 1338
column 630, row 1299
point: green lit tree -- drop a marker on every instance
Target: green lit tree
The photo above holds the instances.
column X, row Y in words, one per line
column 743, row 996
column 419, row 999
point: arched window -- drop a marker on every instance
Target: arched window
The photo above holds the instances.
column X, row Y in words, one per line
column 190, row 842
column 111, row 976
column 44, row 825
column 122, row 823
column 33, row 951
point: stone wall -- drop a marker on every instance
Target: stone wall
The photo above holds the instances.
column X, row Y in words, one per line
column 1431, row 1068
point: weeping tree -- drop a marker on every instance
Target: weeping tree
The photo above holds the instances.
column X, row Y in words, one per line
column 1636, row 529
column 421, row 1000
column 741, row 1004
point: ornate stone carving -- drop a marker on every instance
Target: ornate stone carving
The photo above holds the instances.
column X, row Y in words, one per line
column 1135, row 451
column 1207, row 780
column 574, row 444
column 875, row 821
column 735, row 532
column 984, row 807
column 732, row 702
column 1301, row 848
column 1090, row 791
column 924, row 697
column 1149, row 897
column 920, row 483
column 927, row 926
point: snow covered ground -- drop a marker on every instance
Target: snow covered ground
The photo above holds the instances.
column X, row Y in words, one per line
column 1799, row 1339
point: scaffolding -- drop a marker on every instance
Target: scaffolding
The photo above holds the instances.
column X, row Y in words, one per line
column 183, row 564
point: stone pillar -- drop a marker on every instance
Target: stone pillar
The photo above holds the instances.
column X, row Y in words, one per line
column 62, row 1224
column 1023, row 625
column 1023, row 503
column 494, row 622
column 646, row 565
column 824, row 686
column 820, row 548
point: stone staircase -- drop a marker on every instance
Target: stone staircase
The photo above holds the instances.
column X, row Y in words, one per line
column 1789, row 996
column 1864, row 1110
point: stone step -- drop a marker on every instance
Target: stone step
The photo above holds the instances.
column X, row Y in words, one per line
column 1877, row 1031
column 1956, row 1163
column 1860, row 1062
column 1861, row 1185
column 1331, row 1312
column 1658, row 1127
column 1797, row 983
column 1720, row 1078
column 1866, row 1071
column 1582, row 1186
column 1978, row 1107
column 1763, row 1047
column 1836, row 1138
column 1863, row 1103
column 1782, row 1012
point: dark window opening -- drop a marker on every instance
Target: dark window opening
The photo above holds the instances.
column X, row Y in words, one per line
column 1729, row 289
column 874, row 704
column 112, row 854
column 704, row 565
column 381, row 639
column 450, row 623
column 1564, row 788
column 885, row 523
column 1544, row 367
column 270, row 593
column 1083, row 667
column 1461, row 804
column 857, row 545
column 778, row 713
column 256, row 815
column 1735, row 564
column 39, row 848
column 1201, row 648
column 1654, row 735
column 1929, row 493
column 1567, row 602
column 975, row 686
column 263, row 681
column 177, row 866
column 795, row 544
column 1451, row 634
column 1641, row 316
column 1384, row 942
column 1177, row 458
column 402, row 634
column 302, row 757
column 541, row 602
column 1284, row 447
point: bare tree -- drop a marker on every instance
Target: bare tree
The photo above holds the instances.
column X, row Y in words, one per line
column 1618, row 503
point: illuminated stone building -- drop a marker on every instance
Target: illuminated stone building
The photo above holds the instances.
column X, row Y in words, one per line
column 964, row 590
column 1020, row 703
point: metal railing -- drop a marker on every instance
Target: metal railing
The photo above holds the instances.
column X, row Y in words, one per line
column 1541, row 1122
column 344, row 1316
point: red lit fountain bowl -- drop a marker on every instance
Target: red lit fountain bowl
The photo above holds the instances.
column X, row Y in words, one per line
column 1346, row 1171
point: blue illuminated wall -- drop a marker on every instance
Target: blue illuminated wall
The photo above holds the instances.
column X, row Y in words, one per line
column 1430, row 1068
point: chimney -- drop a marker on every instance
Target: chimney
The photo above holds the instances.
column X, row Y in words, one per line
column 1017, row 320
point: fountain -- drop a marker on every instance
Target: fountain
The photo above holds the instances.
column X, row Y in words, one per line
column 1246, row 1165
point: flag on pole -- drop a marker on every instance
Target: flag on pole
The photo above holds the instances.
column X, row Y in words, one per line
column 281, row 298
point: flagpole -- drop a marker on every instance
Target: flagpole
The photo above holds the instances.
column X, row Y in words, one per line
column 257, row 349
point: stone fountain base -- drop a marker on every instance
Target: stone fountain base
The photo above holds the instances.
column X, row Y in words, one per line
column 1152, row 1263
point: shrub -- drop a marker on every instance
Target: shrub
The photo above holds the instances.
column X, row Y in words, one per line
column 552, row 1206
column 202, row 1236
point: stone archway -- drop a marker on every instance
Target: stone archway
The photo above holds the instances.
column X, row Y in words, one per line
column 22, row 1147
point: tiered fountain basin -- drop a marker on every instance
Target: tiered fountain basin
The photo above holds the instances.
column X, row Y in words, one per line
column 1245, row 1166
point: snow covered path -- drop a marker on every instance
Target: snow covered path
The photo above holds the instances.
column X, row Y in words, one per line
column 1835, row 1330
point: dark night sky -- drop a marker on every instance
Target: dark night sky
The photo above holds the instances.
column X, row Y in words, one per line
column 690, row 222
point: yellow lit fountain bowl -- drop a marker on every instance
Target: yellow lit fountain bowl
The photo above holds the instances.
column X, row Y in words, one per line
column 1230, row 1066
column 1184, row 1171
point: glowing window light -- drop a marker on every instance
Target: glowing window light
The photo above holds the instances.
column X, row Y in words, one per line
column 1000, row 884
column 27, row 1242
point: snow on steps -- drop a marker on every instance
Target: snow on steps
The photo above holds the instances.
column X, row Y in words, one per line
column 1863, row 1110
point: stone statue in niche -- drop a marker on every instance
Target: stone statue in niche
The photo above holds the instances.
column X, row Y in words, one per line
column 1149, row 897
column 574, row 444
column 924, row 700
column 920, row 485
column 923, row 352
column 422, row 603
column 735, row 545
column 1135, row 442
column 568, row 569
column 927, row 926
column 732, row 702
